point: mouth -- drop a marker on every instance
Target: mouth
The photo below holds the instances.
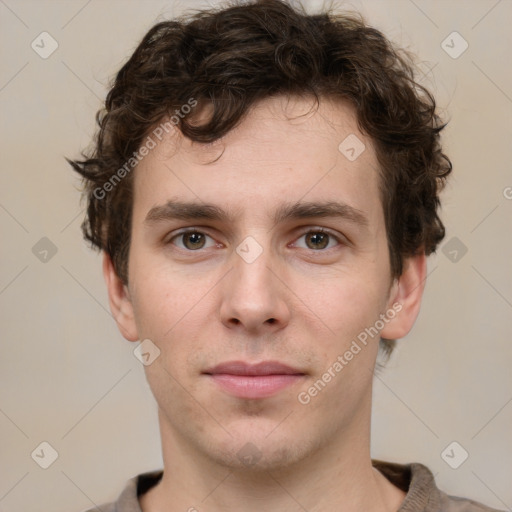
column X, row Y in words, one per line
column 254, row 381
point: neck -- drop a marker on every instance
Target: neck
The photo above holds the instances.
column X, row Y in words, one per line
column 339, row 476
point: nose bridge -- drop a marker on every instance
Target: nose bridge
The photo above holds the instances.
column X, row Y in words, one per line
column 254, row 274
column 253, row 295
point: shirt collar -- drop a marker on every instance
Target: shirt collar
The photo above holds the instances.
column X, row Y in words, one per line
column 414, row 479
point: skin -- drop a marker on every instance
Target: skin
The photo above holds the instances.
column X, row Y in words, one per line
column 299, row 302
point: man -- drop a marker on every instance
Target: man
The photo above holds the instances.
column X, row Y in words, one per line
column 265, row 186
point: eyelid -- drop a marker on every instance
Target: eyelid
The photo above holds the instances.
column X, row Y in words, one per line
column 191, row 229
column 341, row 239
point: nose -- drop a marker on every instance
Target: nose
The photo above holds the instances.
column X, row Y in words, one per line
column 254, row 297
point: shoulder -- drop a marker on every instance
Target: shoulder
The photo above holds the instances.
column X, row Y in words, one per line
column 104, row 507
column 422, row 493
column 128, row 499
column 456, row 504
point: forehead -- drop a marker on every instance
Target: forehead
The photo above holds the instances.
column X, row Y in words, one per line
column 284, row 150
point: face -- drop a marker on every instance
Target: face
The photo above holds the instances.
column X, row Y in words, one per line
column 269, row 247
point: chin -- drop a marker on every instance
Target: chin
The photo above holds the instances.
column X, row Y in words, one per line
column 259, row 451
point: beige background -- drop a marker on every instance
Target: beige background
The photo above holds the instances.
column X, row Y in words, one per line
column 69, row 378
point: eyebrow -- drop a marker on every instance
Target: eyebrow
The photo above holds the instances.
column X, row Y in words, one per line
column 193, row 210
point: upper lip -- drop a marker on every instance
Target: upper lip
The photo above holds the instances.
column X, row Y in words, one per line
column 263, row 368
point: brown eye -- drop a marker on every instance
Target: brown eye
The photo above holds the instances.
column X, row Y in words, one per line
column 192, row 240
column 317, row 240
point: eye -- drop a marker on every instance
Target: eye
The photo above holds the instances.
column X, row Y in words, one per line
column 318, row 240
column 191, row 240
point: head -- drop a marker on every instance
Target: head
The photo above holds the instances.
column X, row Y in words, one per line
column 305, row 163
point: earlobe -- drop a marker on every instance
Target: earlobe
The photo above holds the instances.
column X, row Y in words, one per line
column 119, row 300
column 405, row 297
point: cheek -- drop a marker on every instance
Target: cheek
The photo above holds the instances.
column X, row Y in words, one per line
column 344, row 314
column 163, row 297
column 175, row 312
column 343, row 303
column 174, row 398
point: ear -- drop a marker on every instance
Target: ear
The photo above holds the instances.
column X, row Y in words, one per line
column 405, row 297
column 119, row 300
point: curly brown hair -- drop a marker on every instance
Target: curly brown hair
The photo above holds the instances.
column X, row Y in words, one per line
column 233, row 57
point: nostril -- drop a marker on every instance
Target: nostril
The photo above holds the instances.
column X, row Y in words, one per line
column 271, row 320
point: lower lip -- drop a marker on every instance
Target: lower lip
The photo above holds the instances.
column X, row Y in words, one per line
column 255, row 386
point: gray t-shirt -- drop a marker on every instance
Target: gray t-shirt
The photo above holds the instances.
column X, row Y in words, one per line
column 414, row 479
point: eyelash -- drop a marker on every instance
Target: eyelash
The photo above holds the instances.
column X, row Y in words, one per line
column 309, row 231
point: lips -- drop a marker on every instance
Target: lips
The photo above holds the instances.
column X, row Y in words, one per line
column 263, row 368
column 253, row 381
